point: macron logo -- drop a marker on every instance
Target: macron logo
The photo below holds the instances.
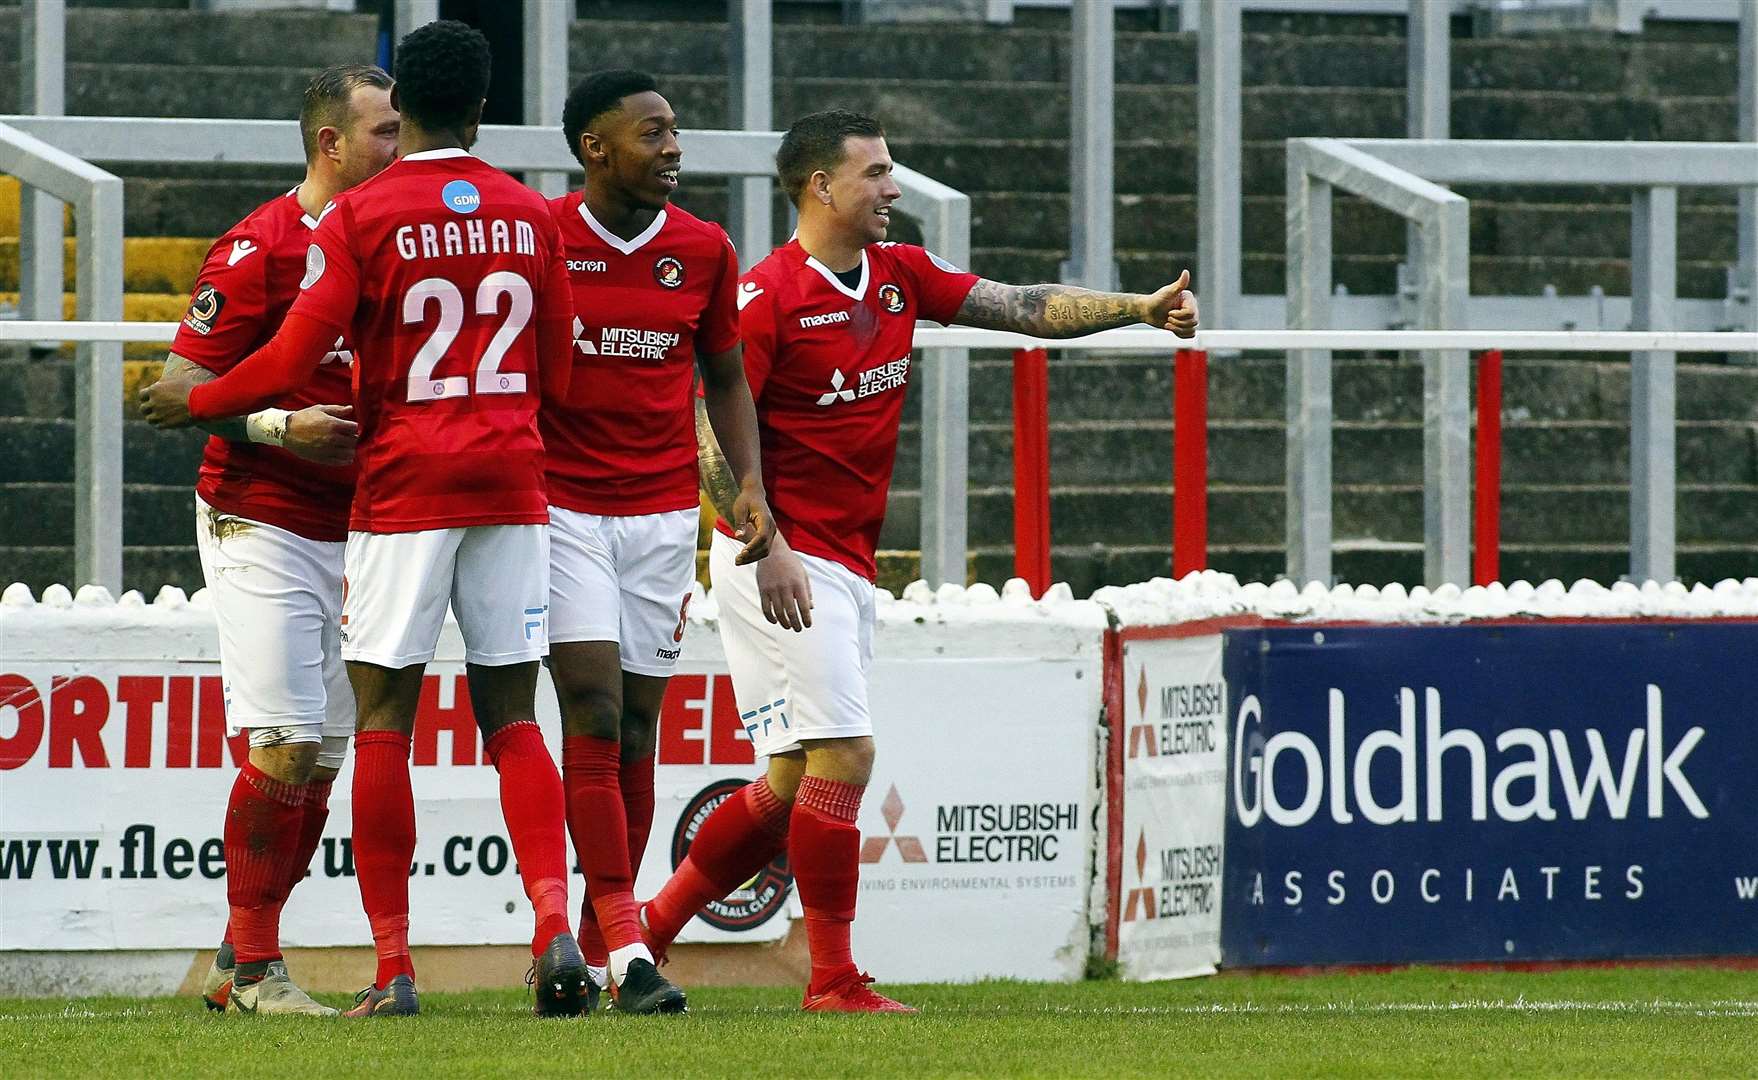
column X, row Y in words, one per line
column 809, row 321
column 836, row 390
column 240, row 250
column 748, row 291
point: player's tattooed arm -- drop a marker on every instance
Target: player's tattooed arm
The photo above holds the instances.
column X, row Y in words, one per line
column 1065, row 311
column 324, row 434
column 732, row 430
column 716, row 474
column 183, row 370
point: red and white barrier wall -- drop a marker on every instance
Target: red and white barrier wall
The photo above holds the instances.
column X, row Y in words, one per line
column 979, row 824
column 1056, row 779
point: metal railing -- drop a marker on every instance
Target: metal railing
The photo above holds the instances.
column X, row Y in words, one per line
column 1220, row 185
column 96, row 198
column 943, row 212
column 1217, row 342
column 1404, row 176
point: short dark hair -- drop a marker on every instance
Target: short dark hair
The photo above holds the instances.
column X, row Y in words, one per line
column 597, row 94
column 442, row 73
column 328, row 98
column 814, row 142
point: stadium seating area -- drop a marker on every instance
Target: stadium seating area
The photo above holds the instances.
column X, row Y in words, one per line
column 985, row 109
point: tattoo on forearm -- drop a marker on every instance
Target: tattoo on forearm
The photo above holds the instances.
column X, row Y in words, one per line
column 1049, row 311
column 230, row 428
column 716, row 474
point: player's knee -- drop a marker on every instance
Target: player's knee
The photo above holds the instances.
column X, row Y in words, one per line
column 287, row 752
column 784, row 773
column 849, row 761
column 330, row 755
column 590, row 710
column 638, row 736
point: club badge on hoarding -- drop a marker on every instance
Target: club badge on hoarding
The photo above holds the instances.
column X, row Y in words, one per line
column 751, row 904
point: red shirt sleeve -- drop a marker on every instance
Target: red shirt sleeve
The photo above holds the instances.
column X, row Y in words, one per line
column 555, row 323
column 277, row 369
column 940, row 285
column 719, row 328
column 756, row 312
column 324, row 308
column 228, row 310
column 330, row 289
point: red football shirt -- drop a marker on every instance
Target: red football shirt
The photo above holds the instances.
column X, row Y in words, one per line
column 446, row 273
column 828, row 366
column 644, row 309
column 245, row 288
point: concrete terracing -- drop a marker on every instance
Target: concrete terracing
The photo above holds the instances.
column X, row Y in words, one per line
column 986, row 110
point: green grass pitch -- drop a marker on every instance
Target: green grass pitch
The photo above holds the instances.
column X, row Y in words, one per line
column 1420, row 1022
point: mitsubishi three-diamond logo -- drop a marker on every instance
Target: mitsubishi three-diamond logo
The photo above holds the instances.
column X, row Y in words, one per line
column 1143, row 737
column 909, row 848
column 837, row 391
column 1140, row 898
column 583, row 344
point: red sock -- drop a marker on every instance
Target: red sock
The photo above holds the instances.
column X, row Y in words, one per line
column 261, row 840
column 384, row 845
column 601, row 835
column 824, row 851
column 311, row 830
column 743, row 834
column 636, row 779
column 531, row 803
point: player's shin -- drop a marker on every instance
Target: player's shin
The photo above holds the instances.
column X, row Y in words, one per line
column 263, row 817
column 743, row 834
column 384, row 845
column 635, row 778
column 824, row 848
column 600, row 831
column 311, row 831
column 532, row 804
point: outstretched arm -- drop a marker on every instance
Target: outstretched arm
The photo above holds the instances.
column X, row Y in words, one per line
column 1065, row 311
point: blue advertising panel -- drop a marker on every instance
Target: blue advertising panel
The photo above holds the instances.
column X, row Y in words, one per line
column 1492, row 792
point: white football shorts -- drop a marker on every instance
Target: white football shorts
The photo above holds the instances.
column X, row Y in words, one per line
column 623, row 579
column 795, row 687
column 496, row 578
column 276, row 598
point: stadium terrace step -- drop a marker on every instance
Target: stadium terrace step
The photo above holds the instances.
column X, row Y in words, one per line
column 176, row 36
column 1531, row 515
column 40, row 450
column 1586, row 63
column 1148, row 224
column 143, row 568
column 268, row 92
column 1253, row 452
column 152, row 514
column 150, row 264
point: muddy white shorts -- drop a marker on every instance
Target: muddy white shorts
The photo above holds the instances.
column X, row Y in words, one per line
column 495, row 577
column 794, row 687
column 623, row 579
column 276, row 598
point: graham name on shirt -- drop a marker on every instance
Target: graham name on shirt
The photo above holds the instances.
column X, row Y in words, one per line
column 477, row 236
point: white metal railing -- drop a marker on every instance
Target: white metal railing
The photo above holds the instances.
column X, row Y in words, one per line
column 1455, row 343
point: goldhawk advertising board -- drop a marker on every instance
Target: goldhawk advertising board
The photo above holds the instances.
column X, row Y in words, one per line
column 1520, row 792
